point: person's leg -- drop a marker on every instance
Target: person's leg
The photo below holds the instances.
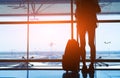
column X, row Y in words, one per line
column 82, row 32
column 91, row 39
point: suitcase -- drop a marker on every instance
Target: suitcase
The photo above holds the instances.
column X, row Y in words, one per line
column 71, row 57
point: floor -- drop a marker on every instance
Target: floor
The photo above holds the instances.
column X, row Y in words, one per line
column 58, row 74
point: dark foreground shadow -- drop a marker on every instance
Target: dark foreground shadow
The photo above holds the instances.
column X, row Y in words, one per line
column 90, row 73
column 71, row 75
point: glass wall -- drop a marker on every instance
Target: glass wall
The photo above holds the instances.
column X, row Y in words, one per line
column 23, row 41
column 28, row 30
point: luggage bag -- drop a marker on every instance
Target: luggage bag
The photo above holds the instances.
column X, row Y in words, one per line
column 71, row 57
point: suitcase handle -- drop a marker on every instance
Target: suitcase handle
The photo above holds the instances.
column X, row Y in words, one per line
column 72, row 26
column 72, row 19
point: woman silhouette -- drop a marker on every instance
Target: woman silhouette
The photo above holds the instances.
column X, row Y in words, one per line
column 86, row 19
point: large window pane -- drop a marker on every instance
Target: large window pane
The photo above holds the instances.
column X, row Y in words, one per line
column 107, row 40
column 49, row 39
column 12, row 41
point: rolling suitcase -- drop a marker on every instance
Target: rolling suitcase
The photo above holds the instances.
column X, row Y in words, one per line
column 71, row 57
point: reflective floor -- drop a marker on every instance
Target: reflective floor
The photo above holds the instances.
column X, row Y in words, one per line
column 58, row 74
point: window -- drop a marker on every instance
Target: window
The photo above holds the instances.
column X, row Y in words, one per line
column 39, row 30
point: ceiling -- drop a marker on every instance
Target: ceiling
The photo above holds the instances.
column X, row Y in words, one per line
column 50, row 7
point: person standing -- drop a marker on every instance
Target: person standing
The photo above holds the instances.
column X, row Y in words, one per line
column 86, row 20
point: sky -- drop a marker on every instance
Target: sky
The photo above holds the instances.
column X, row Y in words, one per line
column 53, row 37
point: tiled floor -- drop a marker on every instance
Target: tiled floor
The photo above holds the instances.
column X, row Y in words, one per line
column 58, row 74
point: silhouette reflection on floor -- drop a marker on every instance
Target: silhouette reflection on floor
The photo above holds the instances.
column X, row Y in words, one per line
column 89, row 73
column 71, row 75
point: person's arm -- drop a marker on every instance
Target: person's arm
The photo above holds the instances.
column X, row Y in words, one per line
column 98, row 9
